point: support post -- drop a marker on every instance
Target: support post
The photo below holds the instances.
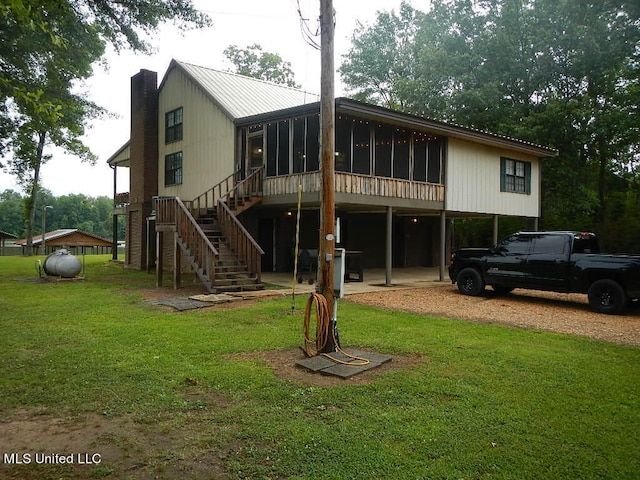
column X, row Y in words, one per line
column 177, row 263
column 495, row 229
column 443, row 244
column 327, row 161
column 114, row 232
column 159, row 241
column 389, row 248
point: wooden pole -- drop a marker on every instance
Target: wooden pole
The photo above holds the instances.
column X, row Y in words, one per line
column 327, row 157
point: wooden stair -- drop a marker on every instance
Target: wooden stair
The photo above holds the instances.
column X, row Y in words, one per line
column 207, row 231
column 232, row 273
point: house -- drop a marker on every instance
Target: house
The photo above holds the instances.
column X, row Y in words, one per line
column 218, row 163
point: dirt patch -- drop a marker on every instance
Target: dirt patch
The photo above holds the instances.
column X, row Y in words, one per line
column 283, row 364
column 94, row 446
column 555, row 312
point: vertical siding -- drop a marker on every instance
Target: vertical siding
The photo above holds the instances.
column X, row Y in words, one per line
column 208, row 138
column 473, row 181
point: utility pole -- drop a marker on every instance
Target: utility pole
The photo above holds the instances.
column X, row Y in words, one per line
column 327, row 161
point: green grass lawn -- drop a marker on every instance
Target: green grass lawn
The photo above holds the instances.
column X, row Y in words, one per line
column 481, row 402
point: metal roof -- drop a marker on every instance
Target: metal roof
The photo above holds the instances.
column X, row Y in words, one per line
column 239, row 96
column 66, row 232
column 387, row 115
column 6, row 235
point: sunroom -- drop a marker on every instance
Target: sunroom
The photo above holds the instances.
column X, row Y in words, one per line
column 374, row 157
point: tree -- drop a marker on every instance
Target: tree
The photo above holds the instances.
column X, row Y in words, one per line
column 93, row 215
column 379, row 66
column 46, row 49
column 253, row 62
column 548, row 71
column 11, row 209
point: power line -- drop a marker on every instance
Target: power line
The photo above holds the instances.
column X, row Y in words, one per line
column 307, row 34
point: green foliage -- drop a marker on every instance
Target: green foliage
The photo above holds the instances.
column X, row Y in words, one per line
column 253, row 62
column 478, row 400
column 47, row 48
column 379, row 67
column 92, row 215
column 547, row 71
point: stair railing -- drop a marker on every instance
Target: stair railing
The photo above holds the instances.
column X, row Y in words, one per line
column 228, row 188
column 240, row 240
column 202, row 253
column 251, row 186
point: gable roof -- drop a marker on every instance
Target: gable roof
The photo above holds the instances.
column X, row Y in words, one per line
column 239, row 96
column 69, row 237
column 5, row 235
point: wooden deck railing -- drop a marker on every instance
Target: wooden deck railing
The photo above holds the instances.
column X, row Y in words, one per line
column 356, row 184
column 252, row 185
column 172, row 212
column 241, row 241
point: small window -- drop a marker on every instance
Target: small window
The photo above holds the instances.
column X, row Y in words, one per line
column 173, row 126
column 514, row 245
column 515, row 176
column 550, row 245
column 173, row 169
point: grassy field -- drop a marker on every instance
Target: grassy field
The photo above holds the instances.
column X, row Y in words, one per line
column 162, row 394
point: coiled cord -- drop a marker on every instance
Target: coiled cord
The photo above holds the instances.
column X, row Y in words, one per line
column 314, row 345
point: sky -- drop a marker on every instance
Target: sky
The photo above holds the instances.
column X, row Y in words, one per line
column 274, row 25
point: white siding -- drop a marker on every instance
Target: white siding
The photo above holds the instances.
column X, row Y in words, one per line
column 208, row 139
column 473, row 181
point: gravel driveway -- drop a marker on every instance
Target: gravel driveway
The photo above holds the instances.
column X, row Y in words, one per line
column 556, row 312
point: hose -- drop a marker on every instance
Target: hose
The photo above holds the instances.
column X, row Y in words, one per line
column 314, row 345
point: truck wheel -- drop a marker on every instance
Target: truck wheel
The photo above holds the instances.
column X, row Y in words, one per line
column 607, row 296
column 470, row 282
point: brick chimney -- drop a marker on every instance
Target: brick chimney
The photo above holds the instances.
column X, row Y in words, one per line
column 143, row 170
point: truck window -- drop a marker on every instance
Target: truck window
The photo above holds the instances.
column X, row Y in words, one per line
column 551, row 244
column 585, row 244
column 514, row 245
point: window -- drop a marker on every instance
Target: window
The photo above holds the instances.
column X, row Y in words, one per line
column 343, row 144
column 434, row 167
column 313, row 143
column 515, row 176
column 283, row 147
column 272, row 149
column 551, row 244
column 514, row 245
column 173, row 169
column 420, row 156
column 361, row 148
column 384, row 150
column 401, row 142
column 299, row 144
column 173, row 126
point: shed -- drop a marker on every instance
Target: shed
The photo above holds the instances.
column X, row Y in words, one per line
column 71, row 238
column 4, row 236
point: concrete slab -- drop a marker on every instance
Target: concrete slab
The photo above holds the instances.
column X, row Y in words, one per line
column 344, row 366
column 182, row 303
column 374, row 280
column 215, row 298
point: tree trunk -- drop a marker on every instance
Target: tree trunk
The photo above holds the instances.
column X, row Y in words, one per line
column 35, row 187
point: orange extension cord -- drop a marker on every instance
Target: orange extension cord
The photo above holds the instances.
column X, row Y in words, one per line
column 314, row 345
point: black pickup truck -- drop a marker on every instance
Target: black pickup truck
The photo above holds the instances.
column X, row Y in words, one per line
column 568, row 262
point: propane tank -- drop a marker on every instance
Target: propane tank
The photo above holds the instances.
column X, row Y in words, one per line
column 62, row 264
